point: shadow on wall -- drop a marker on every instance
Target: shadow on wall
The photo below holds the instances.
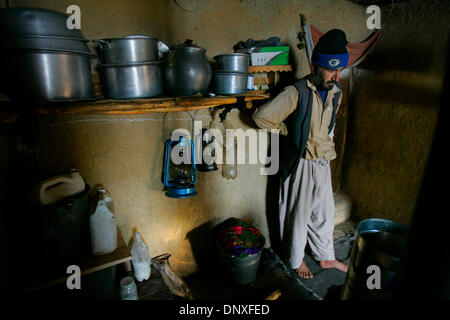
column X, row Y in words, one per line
column 273, row 182
column 272, row 216
column 203, row 246
column 393, row 110
column 428, row 236
column 408, row 58
column 398, row 92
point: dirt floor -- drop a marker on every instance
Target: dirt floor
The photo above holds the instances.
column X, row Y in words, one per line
column 274, row 279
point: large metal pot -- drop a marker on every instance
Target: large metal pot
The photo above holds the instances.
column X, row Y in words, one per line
column 46, row 75
column 46, row 43
column 188, row 70
column 129, row 49
column 22, row 21
column 236, row 62
column 225, row 82
column 132, row 80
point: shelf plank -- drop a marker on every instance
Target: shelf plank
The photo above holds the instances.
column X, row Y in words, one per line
column 142, row 106
column 8, row 117
column 45, row 276
column 275, row 68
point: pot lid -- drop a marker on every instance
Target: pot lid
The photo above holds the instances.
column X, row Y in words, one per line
column 127, row 37
column 29, row 21
column 130, row 64
column 233, row 55
column 188, row 45
column 231, row 73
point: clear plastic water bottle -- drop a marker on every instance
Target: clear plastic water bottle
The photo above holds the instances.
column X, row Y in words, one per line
column 102, row 223
column 229, row 168
column 140, row 257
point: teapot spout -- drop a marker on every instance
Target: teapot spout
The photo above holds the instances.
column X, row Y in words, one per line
column 162, row 49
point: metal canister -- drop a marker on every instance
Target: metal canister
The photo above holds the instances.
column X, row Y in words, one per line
column 375, row 260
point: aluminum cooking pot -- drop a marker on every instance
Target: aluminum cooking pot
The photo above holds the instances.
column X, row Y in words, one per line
column 22, row 21
column 132, row 80
column 129, row 49
column 188, row 70
column 46, row 43
column 46, row 75
column 226, row 83
column 233, row 62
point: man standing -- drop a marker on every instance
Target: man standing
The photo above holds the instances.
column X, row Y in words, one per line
column 305, row 115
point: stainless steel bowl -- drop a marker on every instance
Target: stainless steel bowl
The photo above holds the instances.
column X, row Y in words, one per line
column 132, row 80
column 21, row 21
column 45, row 75
column 226, row 83
column 233, row 62
column 129, row 49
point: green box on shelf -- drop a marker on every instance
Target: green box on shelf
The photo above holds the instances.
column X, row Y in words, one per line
column 265, row 56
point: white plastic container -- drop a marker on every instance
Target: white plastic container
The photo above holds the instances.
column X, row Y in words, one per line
column 58, row 188
column 140, row 257
column 102, row 223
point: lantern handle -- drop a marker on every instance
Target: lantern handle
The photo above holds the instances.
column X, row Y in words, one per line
column 164, row 124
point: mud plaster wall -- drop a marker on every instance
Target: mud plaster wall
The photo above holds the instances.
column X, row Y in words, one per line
column 393, row 113
column 125, row 153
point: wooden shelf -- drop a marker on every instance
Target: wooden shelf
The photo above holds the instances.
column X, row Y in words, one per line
column 277, row 68
column 142, row 106
column 43, row 275
column 8, row 117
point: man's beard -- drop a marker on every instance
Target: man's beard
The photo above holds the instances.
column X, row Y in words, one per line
column 319, row 82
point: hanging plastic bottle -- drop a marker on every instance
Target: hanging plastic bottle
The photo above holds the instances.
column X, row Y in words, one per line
column 140, row 257
column 102, row 223
column 229, row 168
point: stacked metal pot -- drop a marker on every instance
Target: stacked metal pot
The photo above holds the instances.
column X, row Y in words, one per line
column 231, row 76
column 130, row 67
column 41, row 58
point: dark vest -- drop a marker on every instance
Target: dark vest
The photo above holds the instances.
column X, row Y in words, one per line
column 293, row 146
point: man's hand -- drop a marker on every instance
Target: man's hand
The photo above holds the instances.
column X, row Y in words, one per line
column 283, row 129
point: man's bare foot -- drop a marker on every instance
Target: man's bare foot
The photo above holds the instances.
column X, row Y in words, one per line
column 304, row 272
column 334, row 264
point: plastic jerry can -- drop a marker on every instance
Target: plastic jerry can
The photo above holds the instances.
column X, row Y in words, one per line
column 58, row 188
column 102, row 223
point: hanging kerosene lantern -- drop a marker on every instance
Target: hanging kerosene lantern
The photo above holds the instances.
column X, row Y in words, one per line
column 180, row 172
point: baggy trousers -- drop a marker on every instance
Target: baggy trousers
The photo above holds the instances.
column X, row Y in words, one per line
column 306, row 208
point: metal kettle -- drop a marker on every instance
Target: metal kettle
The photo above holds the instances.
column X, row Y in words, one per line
column 188, row 70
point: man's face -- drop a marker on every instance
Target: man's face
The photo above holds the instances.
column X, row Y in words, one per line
column 326, row 78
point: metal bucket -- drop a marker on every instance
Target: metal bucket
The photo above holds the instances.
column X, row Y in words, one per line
column 243, row 270
column 132, row 80
column 375, row 260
